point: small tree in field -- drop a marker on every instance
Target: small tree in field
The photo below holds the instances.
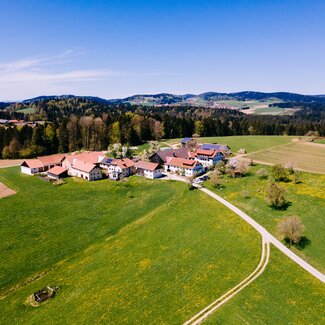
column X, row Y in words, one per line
column 291, row 229
column 279, row 173
column 216, row 179
column 275, row 196
column 262, row 173
column 296, row 177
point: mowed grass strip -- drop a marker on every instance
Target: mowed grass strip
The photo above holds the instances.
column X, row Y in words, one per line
column 307, row 200
column 42, row 224
column 306, row 156
column 162, row 268
column 283, row 294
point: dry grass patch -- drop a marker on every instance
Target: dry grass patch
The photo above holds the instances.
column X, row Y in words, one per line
column 5, row 190
column 304, row 155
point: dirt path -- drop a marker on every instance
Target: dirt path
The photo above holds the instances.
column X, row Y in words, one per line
column 267, row 238
column 5, row 190
column 207, row 311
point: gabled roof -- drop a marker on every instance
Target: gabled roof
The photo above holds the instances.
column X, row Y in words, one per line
column 32, row 163
column 147, row 165
column 123, row 163
column 183, row 163
column 51, row 160
column 185, row 140
column 83, row 165
column 57, row 170
column 208, row 153
column 93, row 157
column 180, row 153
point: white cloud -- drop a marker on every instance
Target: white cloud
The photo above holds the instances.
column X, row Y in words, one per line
column 60, row 74
column 41, row 69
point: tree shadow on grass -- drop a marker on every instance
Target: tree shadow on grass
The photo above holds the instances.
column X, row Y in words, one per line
column 303, row 243
column 283, row 207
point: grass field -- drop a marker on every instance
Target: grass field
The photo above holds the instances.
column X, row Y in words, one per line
column 28, row 110
column 275, row 110
column 321, row 141
column 249, row 142
column 136, row 251
column 305, row 155
column 283, row 294
column 307, row 201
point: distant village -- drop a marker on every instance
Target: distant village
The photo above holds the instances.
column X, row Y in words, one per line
column 190, row 160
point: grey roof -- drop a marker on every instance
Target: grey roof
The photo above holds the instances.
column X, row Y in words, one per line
column 185, row 140
column 179, row 153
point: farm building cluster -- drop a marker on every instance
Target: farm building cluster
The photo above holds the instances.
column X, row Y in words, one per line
column 95, row 165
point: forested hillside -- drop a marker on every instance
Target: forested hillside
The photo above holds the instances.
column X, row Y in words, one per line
column 71, row 123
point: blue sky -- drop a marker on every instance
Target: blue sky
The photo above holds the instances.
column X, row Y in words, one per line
column 118, row 48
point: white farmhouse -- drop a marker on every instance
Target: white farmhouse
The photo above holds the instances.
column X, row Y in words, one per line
column 85, row 170
column 208, row 158
column 184, row 167
column 41, row 164
column 148, row 169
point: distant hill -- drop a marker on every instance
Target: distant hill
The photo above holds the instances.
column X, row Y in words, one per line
column 3, row 105
column 54, row 97
column 163, row 99
column 235, row 100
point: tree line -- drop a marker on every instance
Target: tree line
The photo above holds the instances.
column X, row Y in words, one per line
column 75, row 123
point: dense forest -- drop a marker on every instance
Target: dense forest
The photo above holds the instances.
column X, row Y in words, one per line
column 69, row 124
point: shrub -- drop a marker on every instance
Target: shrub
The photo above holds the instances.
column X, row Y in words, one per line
column 262, row 173
column 279, row 173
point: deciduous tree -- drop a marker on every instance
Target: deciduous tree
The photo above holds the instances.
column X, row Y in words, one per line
column 279, row 173
column 291, row 229
column 275, row 196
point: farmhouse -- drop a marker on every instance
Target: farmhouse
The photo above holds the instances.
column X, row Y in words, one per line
column 120, row 168
column 31, row 167
column 208, row 157
column 186, row 167
column 84, row 170
column 41, row 164
column 160, row 157
column 148, row 169
column 57, row 172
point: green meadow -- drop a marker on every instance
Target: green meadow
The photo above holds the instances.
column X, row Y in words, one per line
column 283, row 294
column 142, row 252
column 306, row 200
column 135, row 251
column 251, row 143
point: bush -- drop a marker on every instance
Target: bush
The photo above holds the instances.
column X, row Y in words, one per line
column 245, row 194
column 262, row 173
column 279, row 173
